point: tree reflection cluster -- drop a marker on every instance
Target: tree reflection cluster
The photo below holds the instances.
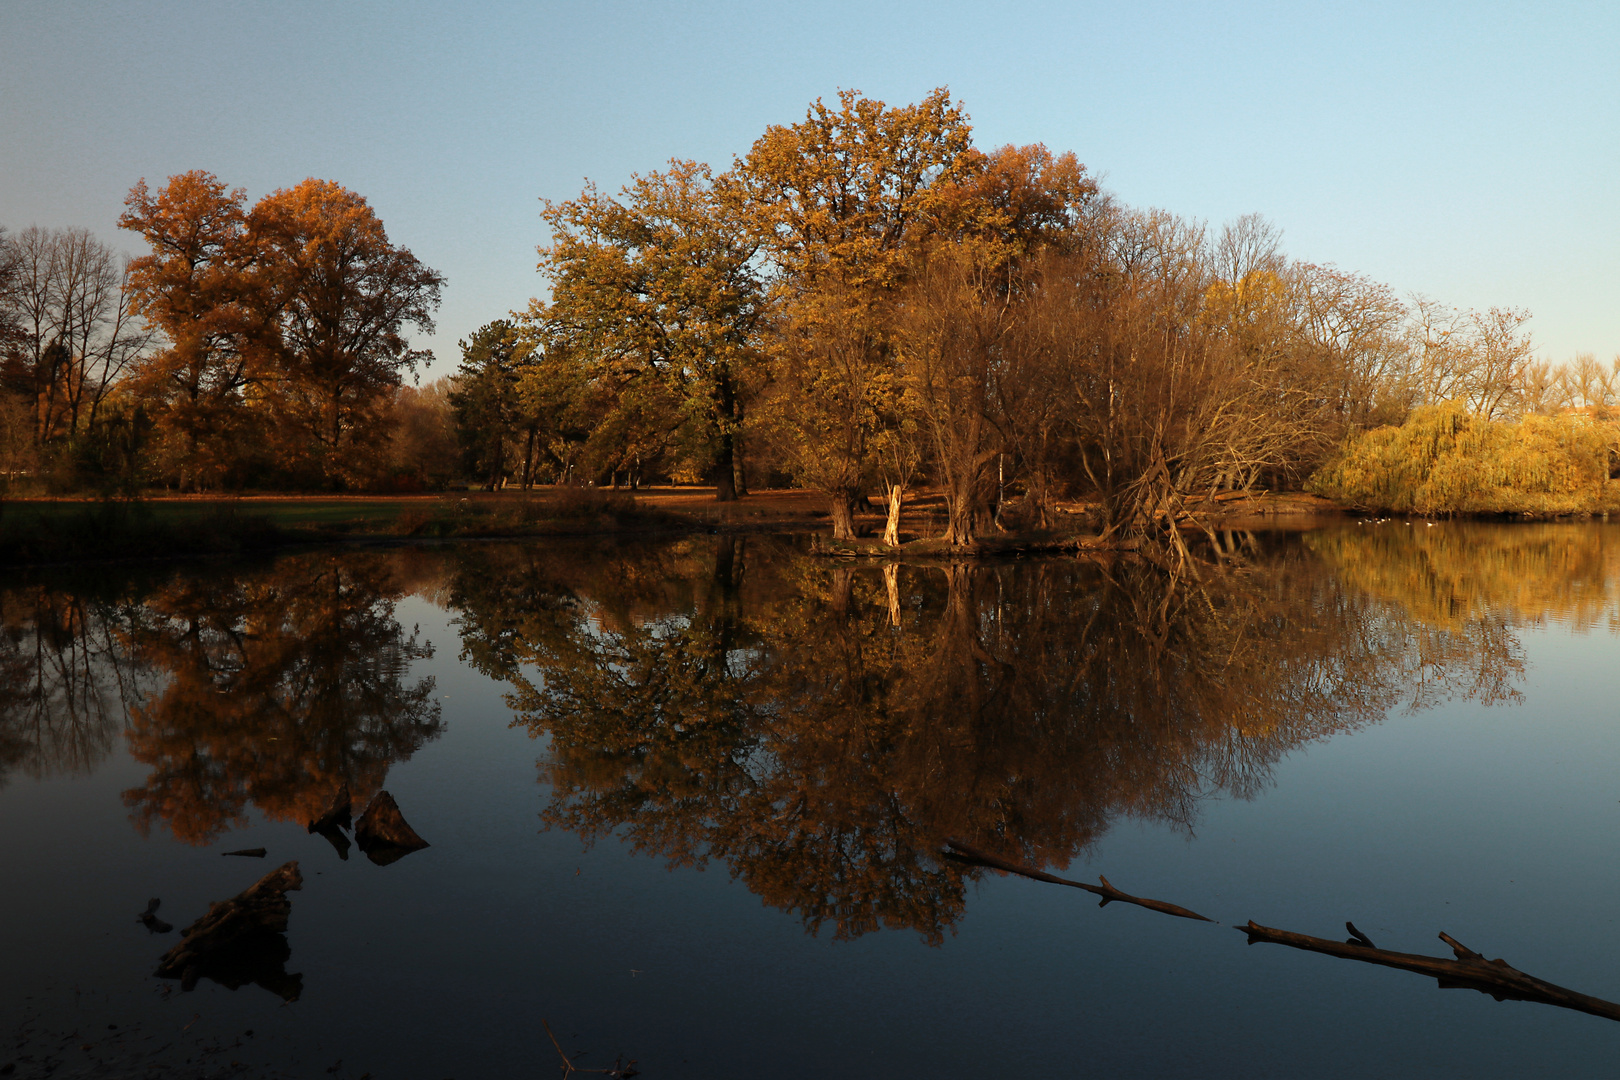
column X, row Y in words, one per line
column 818, row 728
column 272, row 687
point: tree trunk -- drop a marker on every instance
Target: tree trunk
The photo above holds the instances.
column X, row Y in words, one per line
column 842, row 580
column 528, row 461
column 891, row 530
column 741, row 470
column 967, row 504
column 725, row 480
column 891, row 585
column 843, row 515
column 961, row 520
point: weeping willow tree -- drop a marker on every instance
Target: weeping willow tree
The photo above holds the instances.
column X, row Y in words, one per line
column 1447, row 460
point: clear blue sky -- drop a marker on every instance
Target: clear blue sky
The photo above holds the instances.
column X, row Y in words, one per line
column 1470, row 152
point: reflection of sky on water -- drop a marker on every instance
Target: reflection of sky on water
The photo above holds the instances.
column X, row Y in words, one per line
column 1496, row 824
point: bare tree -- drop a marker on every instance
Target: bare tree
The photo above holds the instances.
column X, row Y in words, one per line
column 1353, row 325
column 957, row 343
column 1178, row 381
column 1479, row 358
column 74, row 333
column 1585, row 384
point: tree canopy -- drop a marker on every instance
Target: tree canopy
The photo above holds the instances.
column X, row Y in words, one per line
column 863, row 301
column 285, row 327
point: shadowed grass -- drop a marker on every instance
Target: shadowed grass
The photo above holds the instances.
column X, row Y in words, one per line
column 64, row 531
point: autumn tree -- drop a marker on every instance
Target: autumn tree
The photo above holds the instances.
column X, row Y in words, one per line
column 657, row 292
column 562, row 407
column 286, row 325
column 959, row 343
column 1353, row 325
column 340, row 297
column 1479, row 358
column 16, row 422
column 971, row 367
column 1585, row 384
column 485, row 400
column 1169, row 392
column 841, row 197
column 992, row 322
column 424, row 448
column 197, row 288
column 11, row 331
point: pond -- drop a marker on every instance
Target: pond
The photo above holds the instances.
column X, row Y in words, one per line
column 687, row 803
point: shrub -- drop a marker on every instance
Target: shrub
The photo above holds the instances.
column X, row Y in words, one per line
column 1445, row 460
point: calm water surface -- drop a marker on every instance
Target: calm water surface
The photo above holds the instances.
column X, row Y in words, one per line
column 686, row 800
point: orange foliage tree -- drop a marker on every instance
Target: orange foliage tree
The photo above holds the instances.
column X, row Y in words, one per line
column 286, row 328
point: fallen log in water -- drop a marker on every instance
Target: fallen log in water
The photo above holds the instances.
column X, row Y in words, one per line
column 1469, row 971
column 966, row 853
column 383, row 833
column 241, row 940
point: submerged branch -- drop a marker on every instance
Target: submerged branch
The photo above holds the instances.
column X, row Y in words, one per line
column 1470, row 971
column 958, row 850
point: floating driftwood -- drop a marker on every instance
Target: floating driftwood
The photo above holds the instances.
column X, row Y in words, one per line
column 967, row 853
column 1469, row 971
column 241, row 940
column 248, row 852
column 383, row 833
column 149, row 919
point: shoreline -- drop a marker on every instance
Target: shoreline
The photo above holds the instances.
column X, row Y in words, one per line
column 64, row 531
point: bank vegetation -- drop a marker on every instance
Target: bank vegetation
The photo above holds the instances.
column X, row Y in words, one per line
column 865, row 303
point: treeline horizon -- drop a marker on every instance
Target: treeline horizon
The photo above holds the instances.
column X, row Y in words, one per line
column 865, row 302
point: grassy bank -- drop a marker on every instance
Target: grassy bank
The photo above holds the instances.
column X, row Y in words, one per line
column 50, row 531
column 38, row 531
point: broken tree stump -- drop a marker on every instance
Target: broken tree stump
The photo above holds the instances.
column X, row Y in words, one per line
column 241, row 940
column 150, row 920
column 333, row 820
column 1469, row 971
column 383, row 833
column 336, row 814
column 957, row 849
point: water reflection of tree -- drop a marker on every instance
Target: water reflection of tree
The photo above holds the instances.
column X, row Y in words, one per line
column 62, row 680
column 279, row 687
column 820, row 730
column 1458, row 574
